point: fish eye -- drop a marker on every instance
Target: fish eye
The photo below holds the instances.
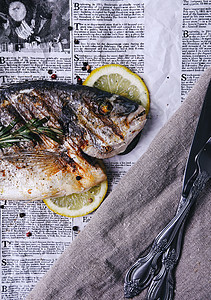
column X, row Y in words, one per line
column 105, row 108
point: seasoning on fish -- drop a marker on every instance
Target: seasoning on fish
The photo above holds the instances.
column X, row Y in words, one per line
column 93, row 123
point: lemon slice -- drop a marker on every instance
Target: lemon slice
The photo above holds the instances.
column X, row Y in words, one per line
column 77, row 205
column 120, row 80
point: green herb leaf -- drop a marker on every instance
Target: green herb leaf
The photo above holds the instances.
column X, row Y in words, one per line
column 30, row 131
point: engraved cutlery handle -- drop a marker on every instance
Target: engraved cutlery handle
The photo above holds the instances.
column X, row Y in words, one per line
column 142, row 272
column 162, row 286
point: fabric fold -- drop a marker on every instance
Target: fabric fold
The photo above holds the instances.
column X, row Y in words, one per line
column 94, row 266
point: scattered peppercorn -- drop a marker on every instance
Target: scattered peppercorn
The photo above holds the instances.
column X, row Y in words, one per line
column 88, row 67
column 50, row 72
column 76, row 42
column 75, row 228
column 85, row 63
column 78, row 177
column 2, row 206
column 22, row 215
column 89, row 71
column 28, row 234
column 53, row 76
column 79, row 80
column 90, row 200
column 83, row 68
column 70, row 28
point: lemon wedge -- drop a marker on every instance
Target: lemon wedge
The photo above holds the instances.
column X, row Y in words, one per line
column 77, row 205
column 118, row 79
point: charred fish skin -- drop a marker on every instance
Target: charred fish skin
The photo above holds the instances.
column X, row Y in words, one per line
column 99, row 123
column 94, row 123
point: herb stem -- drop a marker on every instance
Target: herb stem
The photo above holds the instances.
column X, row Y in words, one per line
column 30, row 131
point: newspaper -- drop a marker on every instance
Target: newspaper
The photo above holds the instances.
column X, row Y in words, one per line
column 167, row 43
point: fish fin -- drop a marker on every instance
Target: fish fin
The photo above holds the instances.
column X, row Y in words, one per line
column 46, row 161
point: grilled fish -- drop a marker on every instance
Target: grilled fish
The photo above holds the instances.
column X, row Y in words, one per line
column 93, row 123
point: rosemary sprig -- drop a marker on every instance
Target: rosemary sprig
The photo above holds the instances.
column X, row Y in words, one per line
column 30, row 131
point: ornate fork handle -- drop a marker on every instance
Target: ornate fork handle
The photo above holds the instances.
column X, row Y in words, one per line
column 142, row 272
column 162, row 285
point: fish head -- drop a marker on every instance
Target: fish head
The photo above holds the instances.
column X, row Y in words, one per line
column 116, row 105
column 116, row 121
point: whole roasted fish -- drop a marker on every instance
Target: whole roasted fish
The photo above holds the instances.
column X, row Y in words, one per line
column 38, row 161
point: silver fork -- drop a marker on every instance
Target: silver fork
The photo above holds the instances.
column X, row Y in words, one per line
column 169, row 242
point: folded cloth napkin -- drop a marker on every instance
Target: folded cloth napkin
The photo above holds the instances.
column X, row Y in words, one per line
column 122, row 229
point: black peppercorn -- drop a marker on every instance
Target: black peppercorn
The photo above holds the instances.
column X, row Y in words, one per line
column 22, row 215
column 75, row 228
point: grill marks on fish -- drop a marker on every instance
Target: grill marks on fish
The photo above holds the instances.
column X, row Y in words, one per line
column 84, row 124
column 91, row 128
column 93, row 108
column 94, row 122
column 37, row 104
column 99, row 129
column 68, row 107
column 34, row 104
column 76, row 110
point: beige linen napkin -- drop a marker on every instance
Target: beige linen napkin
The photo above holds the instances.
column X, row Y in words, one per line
column 124, row 226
